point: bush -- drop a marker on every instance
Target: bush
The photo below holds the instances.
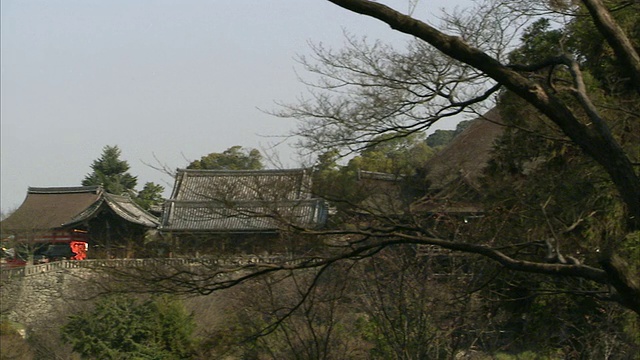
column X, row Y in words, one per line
column 121, row 327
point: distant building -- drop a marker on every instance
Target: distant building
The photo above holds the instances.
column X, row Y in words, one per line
column 113, row 226
column 249, row 211
column 452, row 197
column 452, row 175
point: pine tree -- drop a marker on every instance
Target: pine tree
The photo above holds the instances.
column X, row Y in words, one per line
column 151, row 194
column 111, row 172
column 123, row 327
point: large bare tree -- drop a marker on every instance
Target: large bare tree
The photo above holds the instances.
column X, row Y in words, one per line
column 579, row 119
column 594, row 138
column 445, row 72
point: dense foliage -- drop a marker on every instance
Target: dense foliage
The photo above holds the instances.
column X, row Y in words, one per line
column 440, row 137
column 234, row 158
column 121, row 327
column 150, row 195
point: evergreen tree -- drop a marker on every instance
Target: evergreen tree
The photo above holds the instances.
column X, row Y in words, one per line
column 111, row 172
column 150, row 195
column 441, row 137
column 113, row 175
column 394, row 153
column 122, row 327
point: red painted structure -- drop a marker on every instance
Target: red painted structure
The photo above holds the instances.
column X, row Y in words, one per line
column 56, row 245
column 62, row 222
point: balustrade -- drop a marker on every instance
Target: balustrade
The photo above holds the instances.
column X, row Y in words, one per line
column 240, row 260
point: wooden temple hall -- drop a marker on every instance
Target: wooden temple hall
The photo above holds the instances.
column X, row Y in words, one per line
column 241, row 211
column 109, row 225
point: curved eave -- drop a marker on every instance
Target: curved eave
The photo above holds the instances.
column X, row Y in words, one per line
column 127, row 209
column 122, row 206
column 86, row 214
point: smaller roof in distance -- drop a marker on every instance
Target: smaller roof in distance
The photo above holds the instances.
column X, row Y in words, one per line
column 380, row 176
column 127, row 209
column 123, row 206
column 382, row 193
column 436, row 206
column 467, row 154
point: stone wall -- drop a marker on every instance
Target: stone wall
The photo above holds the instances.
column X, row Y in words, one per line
column 11, row 283
column 36, row 295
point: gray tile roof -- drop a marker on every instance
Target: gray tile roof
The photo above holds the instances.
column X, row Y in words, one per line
column 244, row 216
column 123, row 206
column 242, row 201
column 239, row 185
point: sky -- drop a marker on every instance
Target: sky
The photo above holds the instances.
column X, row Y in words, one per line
column 167, row 81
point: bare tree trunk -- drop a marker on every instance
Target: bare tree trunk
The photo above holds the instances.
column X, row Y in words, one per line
column 594, row 137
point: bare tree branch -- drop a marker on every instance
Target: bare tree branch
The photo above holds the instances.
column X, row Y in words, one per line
column 596, row 143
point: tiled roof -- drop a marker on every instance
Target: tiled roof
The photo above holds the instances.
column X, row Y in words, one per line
column 127, row 209
column 66, row 190
column 123, row 206
column 58, row 207
column 50, row 208
column 239, row 185
column 244, row 216
column 241, row 201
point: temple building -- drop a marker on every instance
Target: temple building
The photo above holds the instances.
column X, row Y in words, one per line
column 248, row 211
column 110, row 225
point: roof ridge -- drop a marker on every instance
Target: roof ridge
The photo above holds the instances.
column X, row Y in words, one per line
column 243, row 172
column 65, row 189
column 379, row 175
column 215, row 203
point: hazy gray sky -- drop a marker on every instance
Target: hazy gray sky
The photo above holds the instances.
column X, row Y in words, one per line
column 172, row 80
